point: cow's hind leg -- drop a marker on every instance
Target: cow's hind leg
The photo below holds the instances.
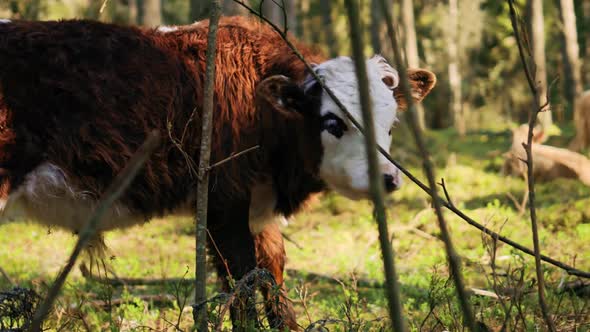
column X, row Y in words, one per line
column 270, row 255
column 233, row 250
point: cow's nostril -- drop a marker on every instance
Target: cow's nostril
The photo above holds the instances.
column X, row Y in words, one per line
column 390, row 183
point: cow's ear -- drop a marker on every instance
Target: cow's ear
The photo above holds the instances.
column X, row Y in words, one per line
column 279, row 102
column 421, row 82
column 389, row 76
column 281, row 94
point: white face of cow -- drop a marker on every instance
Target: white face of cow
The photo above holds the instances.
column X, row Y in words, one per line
column 344, row 165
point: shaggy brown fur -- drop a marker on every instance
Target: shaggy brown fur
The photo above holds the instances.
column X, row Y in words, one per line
column 82, row 95
column 78, row 91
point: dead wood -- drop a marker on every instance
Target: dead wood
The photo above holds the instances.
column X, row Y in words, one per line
column 550, row 162
column 157, row 300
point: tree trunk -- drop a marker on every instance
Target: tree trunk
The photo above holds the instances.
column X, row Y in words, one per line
column 573, row 82
column 456, row 104
column 231, row 8
column 376, row 26
column 133, row 12
column 585, row 32
column 582, row 122
column 573, row 75
column 292, row 23
column 537, row 39
column 273, row 12
column 199, row 9
column 411, row 47
column 152, row 13
column 330, row 39
column 305, row 20
column 29, row 11
column 200, row 316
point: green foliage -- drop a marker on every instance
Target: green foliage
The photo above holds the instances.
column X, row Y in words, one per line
column 337, row 238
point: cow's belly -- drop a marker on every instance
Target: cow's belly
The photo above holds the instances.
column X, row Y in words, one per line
column 45, row 196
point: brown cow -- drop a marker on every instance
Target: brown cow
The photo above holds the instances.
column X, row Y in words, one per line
column 77, row 98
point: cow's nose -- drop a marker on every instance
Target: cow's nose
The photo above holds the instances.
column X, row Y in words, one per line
column 391, row 182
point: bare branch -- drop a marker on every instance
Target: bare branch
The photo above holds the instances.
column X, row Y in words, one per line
column 5, row 276
column 103, row 6
column 444, row 187
column 231, row 157
column 530, row 176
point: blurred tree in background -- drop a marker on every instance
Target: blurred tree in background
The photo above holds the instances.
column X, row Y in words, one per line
column 481, row 84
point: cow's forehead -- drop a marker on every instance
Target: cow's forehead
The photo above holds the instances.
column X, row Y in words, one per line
column 339, row 75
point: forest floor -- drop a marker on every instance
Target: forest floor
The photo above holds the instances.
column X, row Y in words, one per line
column 334, row 243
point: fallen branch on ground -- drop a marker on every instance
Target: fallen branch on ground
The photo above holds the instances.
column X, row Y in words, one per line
column 549, row 162
column 158, row 300
column 306, row 276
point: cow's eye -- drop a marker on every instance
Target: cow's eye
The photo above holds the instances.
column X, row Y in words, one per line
column 334, row 125
column 389, row 132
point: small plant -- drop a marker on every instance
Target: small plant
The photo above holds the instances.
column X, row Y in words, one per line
column 17, row 307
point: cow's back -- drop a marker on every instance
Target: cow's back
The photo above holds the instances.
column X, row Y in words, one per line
column 78, row 99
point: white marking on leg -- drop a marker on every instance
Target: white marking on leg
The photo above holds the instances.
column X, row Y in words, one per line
column 262, row 208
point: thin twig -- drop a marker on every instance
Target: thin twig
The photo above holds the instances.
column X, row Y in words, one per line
column 446, row 192
column 567, row 268
column 232, row 156
column 200, row 313
column 246, row 284
column 5, row 276
column 108, row 198
column 528, row 147
column 289, row 239
column 103, row 6
column 221, row 258
column 376, row 181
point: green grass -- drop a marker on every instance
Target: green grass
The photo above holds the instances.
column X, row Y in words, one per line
column 337, row 237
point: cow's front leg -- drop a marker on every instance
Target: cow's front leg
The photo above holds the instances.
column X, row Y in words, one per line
column 270, row 255
column 234, row 255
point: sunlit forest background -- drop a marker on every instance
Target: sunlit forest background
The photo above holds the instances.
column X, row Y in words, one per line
column 491, row 84
column 472, row 123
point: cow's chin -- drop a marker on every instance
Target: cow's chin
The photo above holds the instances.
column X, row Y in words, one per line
column 350, row 191
column 354, row 194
